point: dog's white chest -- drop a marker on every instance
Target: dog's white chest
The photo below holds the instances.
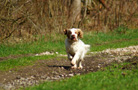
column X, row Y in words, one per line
column 72, row 48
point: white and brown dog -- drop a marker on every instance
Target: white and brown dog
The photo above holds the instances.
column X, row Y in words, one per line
column 75, row 48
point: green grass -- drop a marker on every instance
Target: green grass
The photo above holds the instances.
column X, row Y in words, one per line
column 111, row 78
column 98, row 41
column 103, row 41
column 31, row 47
column 24, row 61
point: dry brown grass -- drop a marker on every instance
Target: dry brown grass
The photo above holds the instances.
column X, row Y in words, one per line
column 29, row 19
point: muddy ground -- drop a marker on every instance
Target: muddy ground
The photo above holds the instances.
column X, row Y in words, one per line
column 53, row 69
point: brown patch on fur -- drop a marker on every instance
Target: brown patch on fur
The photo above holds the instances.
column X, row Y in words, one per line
column 80, row 33
column 68, row 33
column 65, row 31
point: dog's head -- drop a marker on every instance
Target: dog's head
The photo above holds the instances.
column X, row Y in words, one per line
column 73, row 34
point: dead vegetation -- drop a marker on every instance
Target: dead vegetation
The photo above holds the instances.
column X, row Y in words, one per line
column 27, row 19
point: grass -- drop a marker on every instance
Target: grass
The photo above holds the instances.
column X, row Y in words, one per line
column 103, row 41
column 31, row 47
column 24, row 61
column 115, row 77
column 98, row 41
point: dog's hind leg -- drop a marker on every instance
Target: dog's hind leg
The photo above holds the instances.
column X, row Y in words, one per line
column 80, row 64
column 80, row 61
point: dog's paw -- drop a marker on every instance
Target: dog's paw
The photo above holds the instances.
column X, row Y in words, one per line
column 80, row 67
column 73, row 62
column 74, row 67
column 70, row 57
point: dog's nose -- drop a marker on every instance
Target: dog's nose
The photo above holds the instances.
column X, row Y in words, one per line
column 73, row 35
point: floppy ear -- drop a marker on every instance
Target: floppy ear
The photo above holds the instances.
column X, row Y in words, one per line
column 65, row 31
column 80, row 33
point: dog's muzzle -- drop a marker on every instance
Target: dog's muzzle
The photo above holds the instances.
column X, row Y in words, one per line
column 73, row 37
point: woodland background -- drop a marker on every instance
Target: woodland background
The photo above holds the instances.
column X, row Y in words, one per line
column 32, row 19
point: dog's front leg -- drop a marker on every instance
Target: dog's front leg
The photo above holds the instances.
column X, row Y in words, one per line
column 70, row 57
column 74, row 60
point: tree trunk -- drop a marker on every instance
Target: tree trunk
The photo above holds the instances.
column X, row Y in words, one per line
column 74, row 13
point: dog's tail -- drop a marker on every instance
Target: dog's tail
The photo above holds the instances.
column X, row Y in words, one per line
column 87, row 47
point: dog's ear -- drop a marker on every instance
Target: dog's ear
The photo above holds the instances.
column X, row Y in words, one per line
column 65, row 31
column 80, row 33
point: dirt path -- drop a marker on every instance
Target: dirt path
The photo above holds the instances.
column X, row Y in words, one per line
column 47, row 70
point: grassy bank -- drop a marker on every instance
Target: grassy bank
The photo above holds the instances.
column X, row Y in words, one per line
column 32, row 47
column 115, row 77
column 98, row 41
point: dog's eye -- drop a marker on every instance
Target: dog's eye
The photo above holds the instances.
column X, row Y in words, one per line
column 70, row 32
